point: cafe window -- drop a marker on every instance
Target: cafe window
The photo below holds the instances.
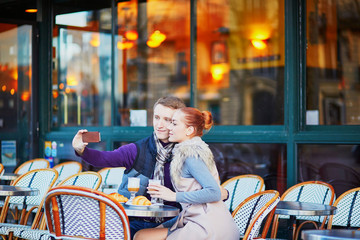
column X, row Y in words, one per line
column 240, row 61
column 15, row 76
column 332, row 63
column 238, row 68
column 81, row 89
column 152, row 57
column 338, row 165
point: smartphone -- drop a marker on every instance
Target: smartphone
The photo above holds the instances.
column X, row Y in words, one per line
column 91, row 137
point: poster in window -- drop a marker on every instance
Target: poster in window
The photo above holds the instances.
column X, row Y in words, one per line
column 8, row 153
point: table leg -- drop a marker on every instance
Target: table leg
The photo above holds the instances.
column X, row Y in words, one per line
column 291, row 227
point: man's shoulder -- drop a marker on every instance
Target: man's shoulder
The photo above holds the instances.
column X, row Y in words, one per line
column 146, row 140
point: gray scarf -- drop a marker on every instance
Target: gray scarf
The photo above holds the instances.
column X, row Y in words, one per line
column 163, row 154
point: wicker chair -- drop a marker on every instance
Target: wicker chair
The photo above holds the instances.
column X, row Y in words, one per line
column 66, row 169
column 78, row 212
column 348, row 210
column 36, row 163
column 312, row 192
column 241, row 187
column 2, row 170
column 251, row 212
column 111, row 176
column 91, row 180
column 43, row 180
column 87, row 179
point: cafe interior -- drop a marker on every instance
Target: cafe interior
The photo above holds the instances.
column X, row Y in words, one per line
column 280, row 77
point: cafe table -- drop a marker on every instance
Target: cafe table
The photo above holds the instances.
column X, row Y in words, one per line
column 9, row 176
column 150, row 211
column 293, row 209
column 330, row 234
column 9, row 190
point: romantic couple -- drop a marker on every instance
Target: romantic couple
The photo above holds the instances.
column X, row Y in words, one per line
column 183, row 162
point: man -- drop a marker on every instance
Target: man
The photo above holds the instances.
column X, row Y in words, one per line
column 147, row 158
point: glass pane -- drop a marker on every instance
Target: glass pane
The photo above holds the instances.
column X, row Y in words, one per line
column 332, row 67
column 15, row 76
column 265, row 160
column 338, row 165
column 82, row 69
column 152, row 56
column 240, row 61
column 233, row 159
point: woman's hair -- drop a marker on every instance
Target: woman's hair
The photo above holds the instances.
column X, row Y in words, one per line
column 199, row 120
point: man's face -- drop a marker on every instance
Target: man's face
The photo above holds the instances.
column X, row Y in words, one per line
column 161, row 120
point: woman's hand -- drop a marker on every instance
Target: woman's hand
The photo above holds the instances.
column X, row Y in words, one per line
column 77, row 142
column 159, row 191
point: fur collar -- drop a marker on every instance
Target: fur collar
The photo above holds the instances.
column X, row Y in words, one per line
column 194, row 147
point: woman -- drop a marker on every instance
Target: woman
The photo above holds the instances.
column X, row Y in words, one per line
column 196, row 181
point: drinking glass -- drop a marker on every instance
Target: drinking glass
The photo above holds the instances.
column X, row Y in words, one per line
column 155, row 201
column 133, row 187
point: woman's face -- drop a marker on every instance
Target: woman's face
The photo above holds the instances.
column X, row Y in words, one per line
column 179, row 132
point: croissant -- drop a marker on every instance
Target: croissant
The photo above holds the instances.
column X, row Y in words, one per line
column 141, row 200
column 118, row 197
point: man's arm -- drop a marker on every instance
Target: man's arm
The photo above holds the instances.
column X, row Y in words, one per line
column 124, row 156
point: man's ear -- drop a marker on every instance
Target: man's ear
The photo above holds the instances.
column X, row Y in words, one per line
column 190, row 131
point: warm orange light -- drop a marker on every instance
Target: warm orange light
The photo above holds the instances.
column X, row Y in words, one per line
column 67, row 90
column 124, row 45
column 131, row 35
column 25, row 96
column 14, row 74
column 157, row 36
column 95, row 40
column 259, row 44
column 155, row 39
column 12, row 91
column 71, row 81
column 3, row 88
column 55, row 94
column 61, row 86
column 31, row 10
column 218, row 70
column 153, row 44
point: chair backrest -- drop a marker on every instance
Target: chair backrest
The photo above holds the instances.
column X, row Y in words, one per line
column 310, row 191
column 83, row 179
column 66, row 169
column 85, row 213
column 41, row 179
column 348, row 210
column 241, row 187
column 111, row 176
column 2, row 170
column 250, row 213
column 36, row 163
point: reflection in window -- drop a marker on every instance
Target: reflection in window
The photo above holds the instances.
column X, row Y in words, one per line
column 152, row 55
column 333, row 62
column 82, row 70
column 233, row 159
column 15, row 76
column 240, row 60
column 265, row 160
column 338, row 165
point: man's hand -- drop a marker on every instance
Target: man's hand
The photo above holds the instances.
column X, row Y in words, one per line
column 159, row 191
column 224, row 193
column 77, row 142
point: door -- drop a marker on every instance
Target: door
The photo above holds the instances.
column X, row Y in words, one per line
column 17, row 108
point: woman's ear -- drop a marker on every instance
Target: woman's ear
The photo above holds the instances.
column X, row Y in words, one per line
column 190, row 131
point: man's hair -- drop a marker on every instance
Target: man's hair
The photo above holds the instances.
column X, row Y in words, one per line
column 170, row 102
